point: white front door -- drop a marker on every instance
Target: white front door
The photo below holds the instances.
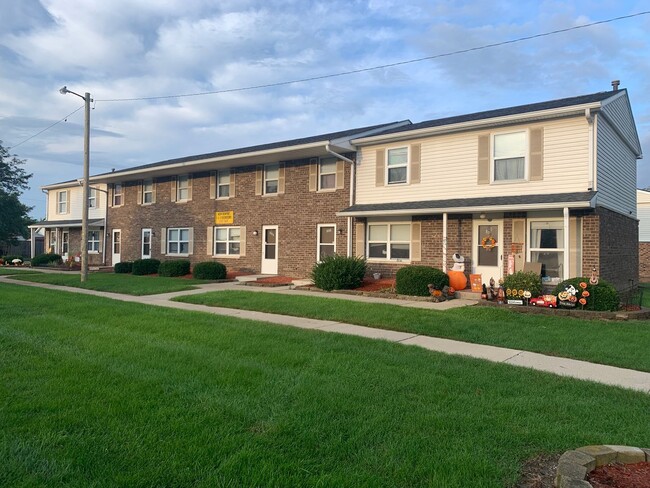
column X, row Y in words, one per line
column 65, row 244
column 270, row 249
column 146, row 243
column 487, row 254
column 117, row 246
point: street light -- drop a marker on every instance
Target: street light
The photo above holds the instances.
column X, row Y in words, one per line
column 84, row 206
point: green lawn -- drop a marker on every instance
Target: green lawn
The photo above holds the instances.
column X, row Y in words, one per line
column 624, row 344
column 95, row 392
column 118, row 283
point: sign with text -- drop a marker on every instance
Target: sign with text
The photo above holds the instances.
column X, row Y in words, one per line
column 221, row 218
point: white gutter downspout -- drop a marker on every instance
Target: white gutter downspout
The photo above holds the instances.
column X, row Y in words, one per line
column 352, row 183
column 590, row 120
column 567, row 244
column 444, row 242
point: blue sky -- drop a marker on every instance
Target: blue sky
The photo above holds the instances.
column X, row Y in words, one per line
column 145, row 48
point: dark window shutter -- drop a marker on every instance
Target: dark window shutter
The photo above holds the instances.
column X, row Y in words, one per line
column 484, row 159
column 536, row 154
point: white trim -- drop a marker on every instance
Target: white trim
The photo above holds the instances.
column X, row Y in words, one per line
column 265, row 179
column 407, row 178
column 178, row 241
column 217, row 185
column 493, row 159
column 320, row 188
column 179, row 189
column 115, row 194
column 530, row 248
column 388, row 242
column 144, row 192
column 228, row 241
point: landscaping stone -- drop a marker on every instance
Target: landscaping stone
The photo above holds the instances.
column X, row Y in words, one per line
column 647, row 454
column 574, row 483
column 580, row 458
column 628, row 455
column 567, row 471
column 602, row 454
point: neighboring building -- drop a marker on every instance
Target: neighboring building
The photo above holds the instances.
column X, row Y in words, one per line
column 62, row 224
column 552, row 183
column 643, row 214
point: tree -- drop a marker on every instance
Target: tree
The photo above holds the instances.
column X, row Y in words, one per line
column 14, row 217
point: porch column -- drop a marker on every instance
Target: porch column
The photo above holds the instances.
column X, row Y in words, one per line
column 567, row 245
column 444, row 242
column 32, row 243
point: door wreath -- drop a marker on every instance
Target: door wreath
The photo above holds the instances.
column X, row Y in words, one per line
column 488, row 242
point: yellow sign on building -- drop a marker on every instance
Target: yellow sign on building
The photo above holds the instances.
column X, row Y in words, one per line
column 221, row 218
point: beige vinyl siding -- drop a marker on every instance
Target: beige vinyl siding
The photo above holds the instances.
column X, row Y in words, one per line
column 643, row 214
column 616, row 171
column 74, row 204
column 449, row 166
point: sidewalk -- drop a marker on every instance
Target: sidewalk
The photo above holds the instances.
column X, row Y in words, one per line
column 609, row 375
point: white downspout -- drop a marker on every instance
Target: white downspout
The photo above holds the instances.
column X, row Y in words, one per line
column 567, row 244
column 590, row 120
column 444, row 242
column 352, row 183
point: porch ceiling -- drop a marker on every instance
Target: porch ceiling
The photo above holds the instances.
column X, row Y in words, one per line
column 52, row 224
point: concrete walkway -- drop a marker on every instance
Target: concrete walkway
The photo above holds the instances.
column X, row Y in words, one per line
column 609, row 375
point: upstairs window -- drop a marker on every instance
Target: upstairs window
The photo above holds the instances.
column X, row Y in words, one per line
column 92, row 198
column 62, row 202
column 397, row 166
column 271, row 179
column 117, row 194
column 509, row 155
column 327, row 174
column 147, row 191
column 223, row 183
column 183, row 188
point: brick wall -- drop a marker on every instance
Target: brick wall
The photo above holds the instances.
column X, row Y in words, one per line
column 297, row 214
column 644, row 262
column 74, row 245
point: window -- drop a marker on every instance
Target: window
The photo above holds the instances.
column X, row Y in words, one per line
column 547, row 247
column 52, row 247
column 326, row 241
column 146, row 243
column 65, row 242
column 223, row 183
column 327, row 174
column 389, row 241
column 178, row 241
column 92, row 198
column 227, row 241
column 397, row 166
column 93, row 240
column 271, row 176
column 62, row 202
column 117, row 194
column 509, row 155
column 147, row 191
column 183, row 188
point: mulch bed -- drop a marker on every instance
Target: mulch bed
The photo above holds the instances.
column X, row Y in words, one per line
column 382, row 284
column 621, row 476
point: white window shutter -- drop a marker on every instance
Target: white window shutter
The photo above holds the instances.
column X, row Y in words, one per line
column 213, row 185
column 68, row 205
column 153, row 190
column 360, row 241
column 380, row 167
column 242, row 241
column 173, row 186
column 313, row 174
column 281, row 179
column 416, row 241
column 191, row 243
column 209, row 240
column 416, row 150
column 189, row 187
column 259, row 179
column 140, row 191
column 483, row 159
column 163, row 241
column 536, row 154
column 231, row 190
column 340, row 175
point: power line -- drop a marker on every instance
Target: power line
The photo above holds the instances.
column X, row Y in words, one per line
column 47, row 128
column 383, row 66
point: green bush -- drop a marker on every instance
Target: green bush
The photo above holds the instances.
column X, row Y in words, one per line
column 522, row 280
column 414, row 280
column 602, row 297
column 177, row 267
column 209, row 270
column 48, row 259
column 123, row 267
column 145, row 266
column 10, row 258
column 339, row 273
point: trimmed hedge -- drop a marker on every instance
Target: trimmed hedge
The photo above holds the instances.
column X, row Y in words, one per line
column 339, row 273
column 209, row 270
column 602, row 297
column 145, row 266
column 177, row 267
column 414, row 280
column 8, row 259
column 123, row 267
column 47, row 259
column 524, row 280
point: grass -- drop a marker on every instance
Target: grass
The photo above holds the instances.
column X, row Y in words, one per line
column 95, row 392
column 624, row 344
column 118, row 283
column 12, row 270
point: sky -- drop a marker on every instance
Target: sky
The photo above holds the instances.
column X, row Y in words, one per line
column 154, row 48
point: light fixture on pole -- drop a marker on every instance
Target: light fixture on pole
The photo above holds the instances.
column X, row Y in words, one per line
column 84, row 206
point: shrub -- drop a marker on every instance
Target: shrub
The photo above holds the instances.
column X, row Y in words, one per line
column 522, row 280
column 145, row 266
column 123, row 267
column 10, row 258
column 209, row 270
column 414, row 280
column 47, row 259
column 602, row 296
column 339, row 273
column 177, row 267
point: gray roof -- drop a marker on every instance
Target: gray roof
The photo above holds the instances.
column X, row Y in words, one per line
column 502, row 112
column 438, row 206
column 349, row 133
